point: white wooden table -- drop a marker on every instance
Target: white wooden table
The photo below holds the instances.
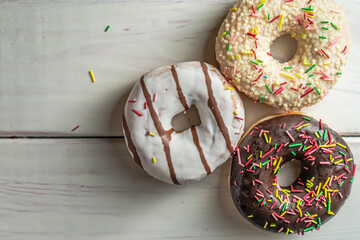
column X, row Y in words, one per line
column 59, row 184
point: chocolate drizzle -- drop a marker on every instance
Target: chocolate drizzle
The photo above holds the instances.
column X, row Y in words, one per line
column 164, row 135
column 193, row 129
column 130, row 143
column 215, row 110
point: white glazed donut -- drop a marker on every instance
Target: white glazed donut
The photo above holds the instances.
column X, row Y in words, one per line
column 321, row 30
column 180, row 158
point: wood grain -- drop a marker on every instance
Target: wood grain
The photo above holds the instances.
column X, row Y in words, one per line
column 47, row 49
column 91, row 189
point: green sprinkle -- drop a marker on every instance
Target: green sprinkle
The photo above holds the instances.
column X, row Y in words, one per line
column 319, row 221
column 347, row 196
column 324, row 22
column 260, row 61
column 317, row 90
column 329, row 206
column 255, row 63
column 229, row 47
column 347, row 167
column 352, row 180
column 268, row 17
column 342, row 153
column 322, row 37
column 310, row 68
column 339, row 73
column 320, row 135
column 295, row 145
column 319, row 195
column 107, row 28
column 260, row 6
column 311, row 75
column 319, row 142
column 293, row 153
column 283, row 209
column 288, row 67
column 275, row 147
column 325, row 134
column 306, row 118
column 227, row 33
column 260, row 200
column 341, row 183
column 308, row 229
column 263, row 203
column 304, row 148
column 269, row 88
column 325, row 28
column 262, row 99
column 308, row 84
column 265, row 163
column 336, row 28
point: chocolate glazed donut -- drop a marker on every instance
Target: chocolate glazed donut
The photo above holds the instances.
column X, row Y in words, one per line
column 325, row 181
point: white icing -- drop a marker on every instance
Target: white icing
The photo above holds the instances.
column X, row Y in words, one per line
column 238, row 23
column 184, row 154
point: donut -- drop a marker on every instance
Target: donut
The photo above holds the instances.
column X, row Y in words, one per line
column 319, row 192
column 188, row 156
column 243, row 50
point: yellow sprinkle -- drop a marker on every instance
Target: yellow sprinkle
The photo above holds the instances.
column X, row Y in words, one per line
column 309, row 11
column 248, row 53
column 250, row 216
column 266, row 224
column 273, row 225
column 293, row 35
column 281, row 21
column 92, row 76
column 316, row 134
column 305, row 63
column 283, row 214
column 277, row 84
column 298, row 208
column 236, row 113
column 152, row 134
column 154, row 160
column 233, row 9
column 302, row 35
column 318, row 191
column 327, row 181
column 230, row 58
column 327, row 146
column 330, row 213
column 308, row 147
column 336, row 163
column 305, row 125
column 249, row 156
column 287, row 232
column 223, row 34
column 229, row 88
column 313, row 222
column 350, row 159
column 270, row 140
column 327, row 63
column 260, row 154
column 278, row 165
column 287, row 76
column 266, row 138
column 339, row 144
column 238, row 56
column 298, row 75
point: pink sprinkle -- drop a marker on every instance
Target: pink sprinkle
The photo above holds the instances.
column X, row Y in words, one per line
column 325, row 163
column 155, row 97
column 267, row 153
column 239, row 118
column 251, row 133
column 354, row 170
column 254, row 10
column 273, row 215
column 254, row 53
column 280, row 229
column 337, row 12
column 286, row 221
column 307, row 92
column 260, row 182
column 274, row 19
column 74, row 129
column 233, row 40
column 268, row 192
column 225, row 70
column 272, row 206
column 334, row 42
column 248, row 162
column 291, row 137
column 138, row 113
column 344, row 51
column 298, row 125
column 283, row 125
column 145, row 105
column 234, row 71
column 325, row 53
column 259, row 77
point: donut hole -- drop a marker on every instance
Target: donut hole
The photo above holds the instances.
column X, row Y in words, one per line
column 284, row 48
column 186, row 119
column 289, row 173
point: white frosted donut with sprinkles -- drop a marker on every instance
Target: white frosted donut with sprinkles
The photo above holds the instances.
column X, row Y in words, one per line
column 188, row 156
column 243, row 45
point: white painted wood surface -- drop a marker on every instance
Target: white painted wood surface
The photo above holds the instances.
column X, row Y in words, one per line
column 91, row 189
column 48, row 47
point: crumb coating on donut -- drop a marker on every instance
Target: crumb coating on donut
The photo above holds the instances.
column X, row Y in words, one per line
column 324, row 183
column 243, row 50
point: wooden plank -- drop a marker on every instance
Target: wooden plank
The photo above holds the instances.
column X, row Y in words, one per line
column 91, row 189
column 47, row 49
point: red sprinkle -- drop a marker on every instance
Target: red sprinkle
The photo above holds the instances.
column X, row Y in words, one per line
column 138, row 113
column 274, row 19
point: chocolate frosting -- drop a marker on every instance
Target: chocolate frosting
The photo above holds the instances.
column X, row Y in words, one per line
column 315, row 197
